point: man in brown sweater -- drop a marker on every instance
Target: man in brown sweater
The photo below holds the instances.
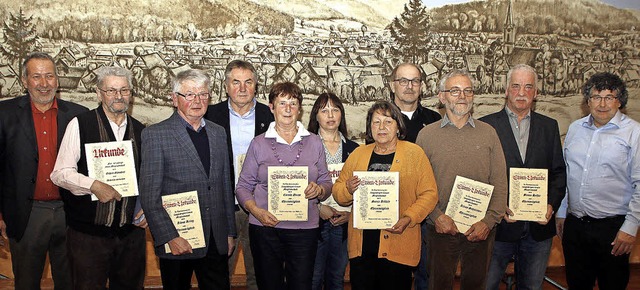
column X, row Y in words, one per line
column 459, row 145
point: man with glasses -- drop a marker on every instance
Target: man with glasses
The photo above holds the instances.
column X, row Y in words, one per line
column 31, row 210
column 529, row 140
column 106, row 237
column 459, row 145
column 406, row 93
column 243, row 118
column 181, row 154
column 598, row 220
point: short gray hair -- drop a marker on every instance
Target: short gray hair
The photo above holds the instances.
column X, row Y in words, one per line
column 196, row 75
column 454, row 73
column 523, row 67
column 113, row 71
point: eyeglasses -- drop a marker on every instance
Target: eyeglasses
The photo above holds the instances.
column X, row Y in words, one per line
column 113, row 92
column 456, row 92
column 607, row 99
column 405, row 82
column 191, row 96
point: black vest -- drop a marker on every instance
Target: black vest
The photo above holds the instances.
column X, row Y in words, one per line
column 80, row 210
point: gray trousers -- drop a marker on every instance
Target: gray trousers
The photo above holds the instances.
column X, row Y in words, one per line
column 45, row 232
column 242, row 226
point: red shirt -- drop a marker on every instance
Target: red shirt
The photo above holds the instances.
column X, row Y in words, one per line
column 46, row 126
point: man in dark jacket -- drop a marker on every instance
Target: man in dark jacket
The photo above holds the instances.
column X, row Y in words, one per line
column 243, row 118
column 529, row 140
column 32, row 216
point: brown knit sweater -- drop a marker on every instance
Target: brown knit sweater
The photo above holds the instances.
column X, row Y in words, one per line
column 472, row 152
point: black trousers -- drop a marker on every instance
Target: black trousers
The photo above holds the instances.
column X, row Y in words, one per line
column 587, row 249
column 95, row 260
column 283, row 258
column 212, row 271
column 372, row 273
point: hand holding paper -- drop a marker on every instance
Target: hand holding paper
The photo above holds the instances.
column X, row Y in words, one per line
column 104, row 192
column 445, row 225
column 180, row 246
column 477, row 232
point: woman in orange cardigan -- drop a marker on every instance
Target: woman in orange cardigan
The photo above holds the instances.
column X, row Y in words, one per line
column 385, row 258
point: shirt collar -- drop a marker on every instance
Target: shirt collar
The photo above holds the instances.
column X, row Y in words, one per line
column 53, row 106
column 247, row 114
column 445, row 121
column 513, row 115
column 186, row 124
column 272, row 133
column 616, row 121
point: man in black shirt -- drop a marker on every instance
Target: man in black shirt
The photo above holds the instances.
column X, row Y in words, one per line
column 406, row 92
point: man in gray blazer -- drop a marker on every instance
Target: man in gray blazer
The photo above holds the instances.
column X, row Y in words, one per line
column 31, row 209
column 188, row 153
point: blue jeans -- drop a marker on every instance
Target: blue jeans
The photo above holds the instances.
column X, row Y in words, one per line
column 331, row 258
column 530, row 257
column 421, row 277
column 283, row 258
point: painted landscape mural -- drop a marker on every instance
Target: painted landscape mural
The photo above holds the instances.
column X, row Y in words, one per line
column 347, row 47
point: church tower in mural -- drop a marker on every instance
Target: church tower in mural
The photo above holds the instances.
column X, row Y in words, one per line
column 509, row 30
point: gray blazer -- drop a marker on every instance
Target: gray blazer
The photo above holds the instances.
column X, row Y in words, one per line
column 170, row 164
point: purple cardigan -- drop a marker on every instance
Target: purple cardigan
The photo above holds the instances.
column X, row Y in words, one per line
column 252, row 184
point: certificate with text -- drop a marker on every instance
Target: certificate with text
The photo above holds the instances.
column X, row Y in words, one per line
column 334, row 172
column 237, row 166
column 286, row 187
column 375, row 202
column 113, row 163
column 184, row 211
column 528, row 193
column 468, row 202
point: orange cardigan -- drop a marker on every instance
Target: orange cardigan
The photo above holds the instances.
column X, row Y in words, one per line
column 418, row 197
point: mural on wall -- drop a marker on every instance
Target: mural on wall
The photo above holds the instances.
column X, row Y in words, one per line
column 348, row 47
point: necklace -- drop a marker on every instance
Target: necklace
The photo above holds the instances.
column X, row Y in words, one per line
column 275, row 153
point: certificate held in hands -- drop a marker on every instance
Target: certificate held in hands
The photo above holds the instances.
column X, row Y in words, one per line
column 113, row 164
column 184, row 211
column 528, row 193
column 375, row 203
column 286, row 186
column 468, row 202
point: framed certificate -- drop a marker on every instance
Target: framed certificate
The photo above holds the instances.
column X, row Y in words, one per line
column 113, row 164
column 375, row 203
column 468, row 202
column 184, row 211
column 528, row 193
column 286, row 187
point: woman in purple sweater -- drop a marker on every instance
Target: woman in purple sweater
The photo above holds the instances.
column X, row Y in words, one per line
column 283, row 251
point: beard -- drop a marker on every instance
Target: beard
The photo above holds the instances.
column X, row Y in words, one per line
column 459, row 112
column 115, row 110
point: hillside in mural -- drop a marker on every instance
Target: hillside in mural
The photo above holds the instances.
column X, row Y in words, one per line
column 142, row 20
column 567, row 18
column 347, row 47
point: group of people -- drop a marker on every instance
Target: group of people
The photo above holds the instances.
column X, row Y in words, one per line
column 95, row 236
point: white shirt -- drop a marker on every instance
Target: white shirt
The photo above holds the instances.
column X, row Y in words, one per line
column 65, row 172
